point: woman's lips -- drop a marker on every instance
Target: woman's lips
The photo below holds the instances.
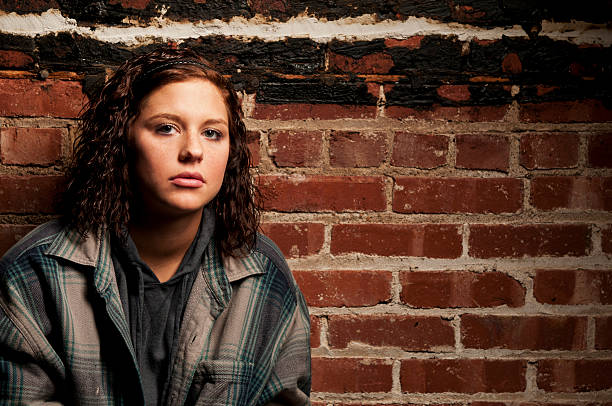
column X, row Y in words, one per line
column 188, row 179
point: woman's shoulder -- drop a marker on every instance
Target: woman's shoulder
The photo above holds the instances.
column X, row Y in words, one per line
column 36, row 241
column 265, row 246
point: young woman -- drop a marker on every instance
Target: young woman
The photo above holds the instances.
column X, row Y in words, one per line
column 154, row 286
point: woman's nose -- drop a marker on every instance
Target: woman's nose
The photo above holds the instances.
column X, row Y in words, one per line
column 191, row 148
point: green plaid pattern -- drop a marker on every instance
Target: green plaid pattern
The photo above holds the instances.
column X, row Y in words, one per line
column 64, row 339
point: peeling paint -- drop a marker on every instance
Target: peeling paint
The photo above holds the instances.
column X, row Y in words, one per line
column 365, row 27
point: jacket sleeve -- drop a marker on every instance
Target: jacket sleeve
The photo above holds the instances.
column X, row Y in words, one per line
column 28, row 363
column 292, row 368
column 23, row 378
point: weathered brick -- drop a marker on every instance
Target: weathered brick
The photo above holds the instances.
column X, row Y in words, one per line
column 296, row 239
column 603, row 333
column 571, row 192
column 344, row 288
column 293, row 148
column 253, row 145
column 302, row 111
column 606, row 239
column 357, row 150
column 573, row 287
column 54, row 98
column 410, row 333
column 14, row 59
column 322, row 193
column 574, row 375
column 376, row 63
column 449, row 113
column 413, row 42
column 28, row 193
column 565, row 112
column 334, row 90
column 315, row 332
column 524, row 332
column 420, row 240
column 457, row 93
column 136, row 4
column 342, row 375
column 549, row 150
column 462, row 375
column 476, row 151
column 30, row 146
column 512, row 403
column 512, row 64
column 460, row 289
column 457, row 195
column 424, row 151
column 600, row 146
column 11, row 233
column 515, row 241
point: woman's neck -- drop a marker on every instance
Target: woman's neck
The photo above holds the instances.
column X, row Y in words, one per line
column 163, row 242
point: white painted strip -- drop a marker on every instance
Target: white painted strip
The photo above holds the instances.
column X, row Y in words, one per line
column 360, row 28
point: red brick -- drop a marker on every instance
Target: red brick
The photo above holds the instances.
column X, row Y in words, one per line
column 296, row 239
column 460, row 289
column 315, row 332
column 344, row 288
column 378, row 63
column 570, row 192
column 606, row 239
column 292, row 148
column 581, row 375
column 552, row 150
column 573, row 287
column 30, row 146
column 413, row 42
column 523, row 332
column 323, row 193
column 357, row 150
column 418, row 240
column 419, row 150
column 603, row 333
column 462, row 375
column 51, row 98
column 410, row 333
column 136, row 4
column 28, row 194
column 262, row 6
column 342, row 375
column 600, row 146
column 457, row 195
column 22, row 7
column 448, row 113
column 456, row 93
column 565, row 112
column 301, row 111
column 512, row 64
column 11, row 233
column 253, row 145
column 483, row 152
column 14, row 59
column 543, row 403
column 515, row 241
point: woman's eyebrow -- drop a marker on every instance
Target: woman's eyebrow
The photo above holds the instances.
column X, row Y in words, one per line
column 177, row 117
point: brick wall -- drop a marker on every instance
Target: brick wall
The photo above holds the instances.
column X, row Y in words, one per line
column 439, row 175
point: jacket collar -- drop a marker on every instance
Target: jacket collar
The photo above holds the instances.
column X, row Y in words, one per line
column 93, row 250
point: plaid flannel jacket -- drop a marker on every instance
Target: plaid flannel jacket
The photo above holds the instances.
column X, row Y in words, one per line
column 64, row 339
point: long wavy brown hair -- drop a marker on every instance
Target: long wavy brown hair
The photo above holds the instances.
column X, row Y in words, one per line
column 99, row 193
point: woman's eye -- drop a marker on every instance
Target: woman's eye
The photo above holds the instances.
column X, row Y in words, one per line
column 210, row 133
column 166, row 129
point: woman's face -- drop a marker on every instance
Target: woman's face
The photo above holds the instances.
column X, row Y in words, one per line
column 180, row 141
